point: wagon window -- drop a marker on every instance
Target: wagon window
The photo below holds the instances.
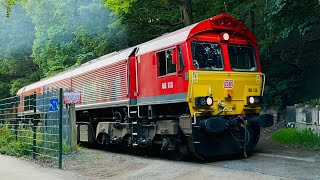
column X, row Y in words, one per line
column 165, row 64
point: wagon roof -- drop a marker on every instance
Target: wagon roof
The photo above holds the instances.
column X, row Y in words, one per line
column 84, row 68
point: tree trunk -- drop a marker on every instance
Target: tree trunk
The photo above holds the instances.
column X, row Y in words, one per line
column 186, row 12
column 252, row 18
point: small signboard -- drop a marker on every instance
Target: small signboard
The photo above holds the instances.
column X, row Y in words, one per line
column 72, row 97
column 53, row 104
column 228, row 84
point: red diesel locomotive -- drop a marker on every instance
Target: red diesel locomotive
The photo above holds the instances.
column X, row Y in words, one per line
column 197, row 91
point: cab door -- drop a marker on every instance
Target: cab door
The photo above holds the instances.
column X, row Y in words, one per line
column 170, row 81
column 132, row 80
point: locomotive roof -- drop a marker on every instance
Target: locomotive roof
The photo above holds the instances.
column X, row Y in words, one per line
column 158, row 43
column 165, row 40
column 161, row 42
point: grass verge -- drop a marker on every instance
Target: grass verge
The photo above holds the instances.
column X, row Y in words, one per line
column 303, row 139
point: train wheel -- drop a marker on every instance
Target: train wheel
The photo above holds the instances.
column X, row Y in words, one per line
column 179, row 154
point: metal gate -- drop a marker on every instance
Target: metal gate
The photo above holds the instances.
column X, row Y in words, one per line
column 36, row 125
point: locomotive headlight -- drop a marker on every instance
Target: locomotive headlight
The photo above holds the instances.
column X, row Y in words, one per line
column 209, row 101
column 251, row 100
column 225, row 36
column 254, row 100
column 204, row 101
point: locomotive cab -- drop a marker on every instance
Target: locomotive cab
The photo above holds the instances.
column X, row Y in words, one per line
column 225, row 88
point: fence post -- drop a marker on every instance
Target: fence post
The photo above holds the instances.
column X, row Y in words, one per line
column 16, row 121
column 34, row 128
column 60, row 127
column 73, row 125
column 15, row 115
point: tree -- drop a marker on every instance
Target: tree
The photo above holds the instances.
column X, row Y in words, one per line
column 7, row 6
column 185, row 10
column 290, row 49
column 121, row 7
column 16, row 39
column 146, row 19
column 69, row 33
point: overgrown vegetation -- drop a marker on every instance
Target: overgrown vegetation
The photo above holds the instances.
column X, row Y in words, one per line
column 11, row 145
column 21, row 145
column 313, row 102
column 305, row 139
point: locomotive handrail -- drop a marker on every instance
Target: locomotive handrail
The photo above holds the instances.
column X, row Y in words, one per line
column 137, row 84
column 128, row 75
column 195, row 117
column 264, row 82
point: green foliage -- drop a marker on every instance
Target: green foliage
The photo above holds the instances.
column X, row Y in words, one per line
column 304, row 139
column 22, row 145
column 69, row 34
column 145, row 20
column 290, row 49
column 119, row 6
column 287, row 15
column 10, row 146
column 7, row 6
column 313, row 102
column 66, row 148
column 16, row 39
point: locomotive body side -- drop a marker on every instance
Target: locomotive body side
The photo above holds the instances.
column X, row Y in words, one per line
column 197, row 90
column 102, row 82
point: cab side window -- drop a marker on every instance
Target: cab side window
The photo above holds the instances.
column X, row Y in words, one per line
column 181, row 64
column 165, row 64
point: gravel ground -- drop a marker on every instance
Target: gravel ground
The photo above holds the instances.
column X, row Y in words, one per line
column 270, row 161
column 96, row 164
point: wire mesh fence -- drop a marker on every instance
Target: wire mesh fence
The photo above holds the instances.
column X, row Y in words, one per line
column 35, row 125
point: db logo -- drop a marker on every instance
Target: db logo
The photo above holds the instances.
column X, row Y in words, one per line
column 228, row 84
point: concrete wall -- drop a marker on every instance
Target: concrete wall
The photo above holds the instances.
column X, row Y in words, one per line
column 303, row 116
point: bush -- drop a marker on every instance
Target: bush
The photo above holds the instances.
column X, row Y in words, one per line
column 313, row 102
column 22, row 146
column 9, row 146
column 305, row 139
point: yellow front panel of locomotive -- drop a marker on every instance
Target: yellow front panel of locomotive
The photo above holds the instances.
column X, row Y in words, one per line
column 229, row 91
